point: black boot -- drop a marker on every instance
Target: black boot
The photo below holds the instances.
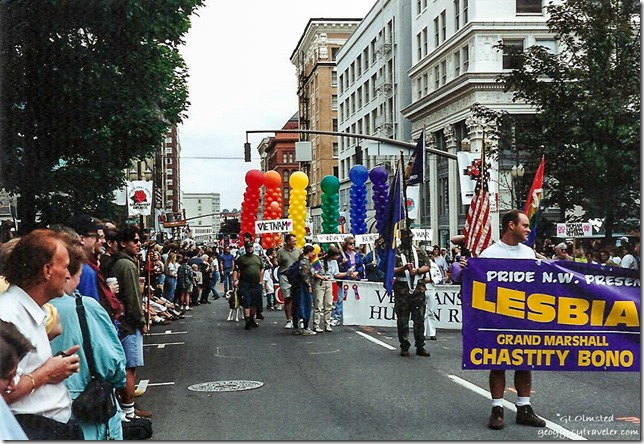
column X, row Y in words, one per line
column 248, row 324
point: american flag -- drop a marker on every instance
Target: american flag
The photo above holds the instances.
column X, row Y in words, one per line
column 478, row 229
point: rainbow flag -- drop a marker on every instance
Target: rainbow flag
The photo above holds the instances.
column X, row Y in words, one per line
column 533, row 203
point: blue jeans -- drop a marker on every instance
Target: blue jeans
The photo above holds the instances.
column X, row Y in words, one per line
column 228, row 280
column 305, row 305
column 337, row 311
column 170, row 287
column 213, row 284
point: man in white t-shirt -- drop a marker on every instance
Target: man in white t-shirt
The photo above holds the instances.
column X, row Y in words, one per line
column 628, row 259
column 515, row 227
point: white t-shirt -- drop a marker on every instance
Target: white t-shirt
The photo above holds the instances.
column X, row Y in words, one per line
column 269, row 285
column 500, row 250
column 628, row 261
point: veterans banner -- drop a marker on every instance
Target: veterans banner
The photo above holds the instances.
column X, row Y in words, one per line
column 526, row 314
column 367, row 303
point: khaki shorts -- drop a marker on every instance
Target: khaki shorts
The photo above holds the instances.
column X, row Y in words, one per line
column 285, row 287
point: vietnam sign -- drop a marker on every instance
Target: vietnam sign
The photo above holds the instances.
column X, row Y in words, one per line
column 274, row 226
column 576, row 229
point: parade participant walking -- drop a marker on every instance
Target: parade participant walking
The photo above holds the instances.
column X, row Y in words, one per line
column 303, row 301
column 515, row 228
column 286, row 255
column 410, row 265
column 248, row 280
column 324, row 274
column 226, row 267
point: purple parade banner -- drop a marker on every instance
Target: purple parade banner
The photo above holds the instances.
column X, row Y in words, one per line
column 526, row 314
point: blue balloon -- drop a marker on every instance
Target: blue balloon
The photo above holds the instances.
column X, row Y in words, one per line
column 359, row 174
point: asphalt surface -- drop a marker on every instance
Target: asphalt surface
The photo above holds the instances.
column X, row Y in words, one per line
column 344, row 385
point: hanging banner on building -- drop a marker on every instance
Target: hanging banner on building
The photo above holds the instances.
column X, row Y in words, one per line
column 274, row 226
column 413, row 194
column 469, row 166
column 139, row 198
column 366, row 303
column 550, row 315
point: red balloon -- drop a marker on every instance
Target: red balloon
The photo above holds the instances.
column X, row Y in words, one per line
column 254, row 178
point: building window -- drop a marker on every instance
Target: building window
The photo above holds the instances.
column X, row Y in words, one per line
column 334, row 78
column 285, row 174
column 550, row 44
column 426, row 83
column 168, row 160
column 425, row 39
column 443, row 72
column 334, row 101
column 335, row 125
column 290, row 157
column 457, row 15
column 335, row 150
column 418, row 7
column 436, row 33
column 365, row 57
column 286, row 194
column 511, row 60
column 466, row 58
column 529, row 7
column 443, row 26
column 437, row 77
column 457, row 64
column 466, row 17
column 284, row 158
column 419, row 45
column 366, row 92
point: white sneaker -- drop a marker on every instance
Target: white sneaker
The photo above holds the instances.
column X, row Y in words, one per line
column 289, row 324
column 334, row 322
column 300, row 324
column 308, row 332
column 328, row 328
column 318, row 330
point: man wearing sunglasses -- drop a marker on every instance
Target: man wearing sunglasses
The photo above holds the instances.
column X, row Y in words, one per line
column 133, row 324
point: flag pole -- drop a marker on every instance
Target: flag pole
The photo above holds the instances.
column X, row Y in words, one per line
column 404, row 190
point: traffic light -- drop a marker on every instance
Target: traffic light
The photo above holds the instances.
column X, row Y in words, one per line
column 247, row 152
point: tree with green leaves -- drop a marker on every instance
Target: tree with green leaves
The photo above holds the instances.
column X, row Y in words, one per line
column 87, row 87
column 587, row 98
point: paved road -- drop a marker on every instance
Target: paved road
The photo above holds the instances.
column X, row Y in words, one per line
column 351, row 384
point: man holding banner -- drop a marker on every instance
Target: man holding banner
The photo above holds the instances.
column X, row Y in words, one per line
column 515, row 228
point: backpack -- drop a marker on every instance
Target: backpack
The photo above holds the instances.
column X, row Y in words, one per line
column 293, row 275
column 137, row 428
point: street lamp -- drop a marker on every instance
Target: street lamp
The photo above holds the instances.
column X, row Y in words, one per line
column 517, row 173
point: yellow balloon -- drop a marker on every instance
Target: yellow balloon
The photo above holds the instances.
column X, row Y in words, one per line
column 298, row 180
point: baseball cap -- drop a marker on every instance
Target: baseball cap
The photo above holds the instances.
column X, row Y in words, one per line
column 623, row 239
column 561, row 246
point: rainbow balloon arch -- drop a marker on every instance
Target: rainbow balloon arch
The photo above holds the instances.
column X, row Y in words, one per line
column 272, row 225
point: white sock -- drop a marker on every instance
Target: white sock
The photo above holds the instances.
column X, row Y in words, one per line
column 497, row 402
column 128, row 409
column 523, row 400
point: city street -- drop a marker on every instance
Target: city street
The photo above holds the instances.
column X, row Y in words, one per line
column 351, row 384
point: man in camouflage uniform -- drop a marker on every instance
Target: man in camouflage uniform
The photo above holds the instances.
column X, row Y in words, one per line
column 409, row 293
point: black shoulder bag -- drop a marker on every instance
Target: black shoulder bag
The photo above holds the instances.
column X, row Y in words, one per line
column 97, row 403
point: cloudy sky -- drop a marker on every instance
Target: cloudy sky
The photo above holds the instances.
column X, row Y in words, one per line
column 241, row 78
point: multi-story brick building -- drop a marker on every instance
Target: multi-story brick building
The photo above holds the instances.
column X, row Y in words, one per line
column 314, row 58
column 278, row 154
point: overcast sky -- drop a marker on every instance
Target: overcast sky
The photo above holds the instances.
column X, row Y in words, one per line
column 241, row 78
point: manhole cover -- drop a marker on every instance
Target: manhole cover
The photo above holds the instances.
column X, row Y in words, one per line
column 225, row 386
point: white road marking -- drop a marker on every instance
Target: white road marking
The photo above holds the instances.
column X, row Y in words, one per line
column 169, row 332
column 376, row 341
column 163, row 344
column 549, row 424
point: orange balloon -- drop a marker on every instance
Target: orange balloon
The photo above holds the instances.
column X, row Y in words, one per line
column 272, row 179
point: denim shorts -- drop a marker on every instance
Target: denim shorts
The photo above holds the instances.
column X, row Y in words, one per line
column 250, row 294
column 133, row 348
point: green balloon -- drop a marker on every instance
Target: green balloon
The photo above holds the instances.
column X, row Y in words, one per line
column 330, row 184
